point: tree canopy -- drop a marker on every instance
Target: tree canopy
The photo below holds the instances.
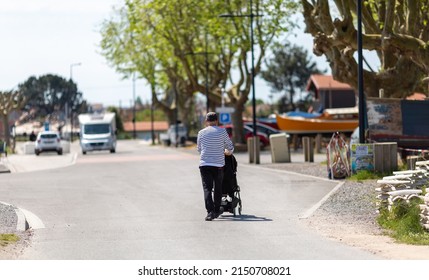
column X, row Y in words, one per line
column 169, row 42
column 288, row 71
column 397, row 30
column 51, row 94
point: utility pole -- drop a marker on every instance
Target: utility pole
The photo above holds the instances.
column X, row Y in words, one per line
column 134, row 106
column 255, row 134
column 71, row 107
column 360, row 75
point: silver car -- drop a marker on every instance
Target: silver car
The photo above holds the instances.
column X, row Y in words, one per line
column 48, row 141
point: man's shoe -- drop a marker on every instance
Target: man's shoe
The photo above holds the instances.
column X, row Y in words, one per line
column 209, row 216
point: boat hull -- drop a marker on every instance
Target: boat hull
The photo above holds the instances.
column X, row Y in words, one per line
column 305, row 125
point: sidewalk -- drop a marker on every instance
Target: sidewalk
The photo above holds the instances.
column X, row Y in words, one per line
column 295, row 157
column 20, row 162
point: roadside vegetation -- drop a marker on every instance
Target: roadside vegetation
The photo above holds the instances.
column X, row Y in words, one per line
column 402, row 222
column 8, row 238
column 366, row 175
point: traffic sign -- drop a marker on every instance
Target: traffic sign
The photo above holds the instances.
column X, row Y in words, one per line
column 225, row 118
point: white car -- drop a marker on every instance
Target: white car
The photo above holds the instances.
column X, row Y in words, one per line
column 48, row 141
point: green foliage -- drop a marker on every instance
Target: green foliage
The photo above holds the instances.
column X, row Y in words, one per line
column 288, row 71
column 124, row 136
column 118, row 119
column 50, row 94
column 403, row 223
column 144, row 115
column 257, row 101
column 366, row 175
column 7, row 238
column 156, row 38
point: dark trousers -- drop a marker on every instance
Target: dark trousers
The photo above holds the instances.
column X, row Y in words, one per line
column 210, row 175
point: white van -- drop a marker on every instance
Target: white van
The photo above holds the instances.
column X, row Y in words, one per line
column 97, row 132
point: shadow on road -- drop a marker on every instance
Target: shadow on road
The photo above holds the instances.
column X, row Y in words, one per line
column 244, row 218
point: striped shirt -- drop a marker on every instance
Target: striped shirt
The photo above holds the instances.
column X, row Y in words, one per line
column 211, row 144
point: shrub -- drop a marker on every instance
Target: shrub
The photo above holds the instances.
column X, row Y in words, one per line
column 403, row 223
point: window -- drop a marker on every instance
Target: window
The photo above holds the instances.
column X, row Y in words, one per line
column 96, row 129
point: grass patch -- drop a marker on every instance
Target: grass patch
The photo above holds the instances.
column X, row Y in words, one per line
column 366, row 175
column 403, row 223
column 7, row 238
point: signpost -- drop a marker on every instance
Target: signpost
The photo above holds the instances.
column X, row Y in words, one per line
column 225, row 114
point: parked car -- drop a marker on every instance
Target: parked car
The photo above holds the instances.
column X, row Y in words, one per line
column 268, row 130
column 170, row 138
column 248, row 132
column 48, row 141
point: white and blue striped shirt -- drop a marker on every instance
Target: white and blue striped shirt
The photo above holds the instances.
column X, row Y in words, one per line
column 211, row 144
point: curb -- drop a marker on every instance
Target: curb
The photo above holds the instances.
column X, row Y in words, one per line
column 316, row 206
column 26, row 219
column 31, row 220
column 22, row 224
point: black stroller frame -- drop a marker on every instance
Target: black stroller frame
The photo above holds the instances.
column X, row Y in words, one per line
column 230, row 187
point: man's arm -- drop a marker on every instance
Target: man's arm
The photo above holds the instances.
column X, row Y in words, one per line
column 229, row 147
column 198, row 143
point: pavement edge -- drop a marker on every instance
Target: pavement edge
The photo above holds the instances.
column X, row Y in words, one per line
column 25, row 219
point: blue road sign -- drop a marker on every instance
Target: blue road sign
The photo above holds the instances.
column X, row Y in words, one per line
column 225, row 118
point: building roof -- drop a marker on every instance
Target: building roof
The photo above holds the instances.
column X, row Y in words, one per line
column 146, row 126
column 322, row 82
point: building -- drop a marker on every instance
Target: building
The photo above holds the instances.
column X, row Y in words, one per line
column 329, row 93
column 143, row 129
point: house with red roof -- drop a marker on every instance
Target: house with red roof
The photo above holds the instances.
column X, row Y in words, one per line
column 329, row 93
column 144, row 129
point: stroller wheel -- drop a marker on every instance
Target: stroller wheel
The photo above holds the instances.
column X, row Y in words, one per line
column 237, row 209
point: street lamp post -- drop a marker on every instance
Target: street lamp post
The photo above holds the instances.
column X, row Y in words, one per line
column 360, row 75
column 134, row 106
column 255, row 134
column 71, row 69
column 71, row 108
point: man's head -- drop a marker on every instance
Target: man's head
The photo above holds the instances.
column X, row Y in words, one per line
column 211, row 118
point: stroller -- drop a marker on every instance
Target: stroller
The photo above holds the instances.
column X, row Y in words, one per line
column 231, row 200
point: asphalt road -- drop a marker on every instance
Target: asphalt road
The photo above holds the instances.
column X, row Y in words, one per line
column 146, row 202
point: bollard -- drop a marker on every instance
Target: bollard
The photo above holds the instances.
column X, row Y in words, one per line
column 385, row 157
column 307, row 145
column 318, row 141
column 411, row 162
column 253, row 147
column 257, row 148
column 250, row 149
column 280, row 151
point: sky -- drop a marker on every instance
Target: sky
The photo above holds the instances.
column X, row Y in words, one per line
column 62, row 37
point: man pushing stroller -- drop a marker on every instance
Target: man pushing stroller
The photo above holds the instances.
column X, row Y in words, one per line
column 213, row 144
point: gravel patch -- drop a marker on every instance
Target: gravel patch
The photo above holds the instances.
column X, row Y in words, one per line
column 8, row 223
column 8, row 218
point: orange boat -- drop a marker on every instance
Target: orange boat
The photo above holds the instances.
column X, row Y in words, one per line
column 332, row 120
